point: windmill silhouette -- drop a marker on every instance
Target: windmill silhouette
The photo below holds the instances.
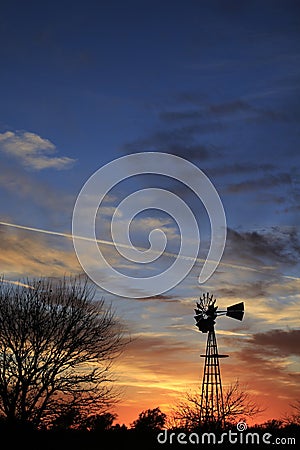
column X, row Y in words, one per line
column 212, row 403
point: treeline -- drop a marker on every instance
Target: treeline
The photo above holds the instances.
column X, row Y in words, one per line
column 148, row 431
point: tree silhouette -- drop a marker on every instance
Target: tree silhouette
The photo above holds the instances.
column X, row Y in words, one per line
column 237, row 405
column 98, row 422
column 149, row 420
column 294, row 417
column 56, row 349
column 68, row 417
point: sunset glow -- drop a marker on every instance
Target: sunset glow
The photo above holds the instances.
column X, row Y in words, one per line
column 216, row 83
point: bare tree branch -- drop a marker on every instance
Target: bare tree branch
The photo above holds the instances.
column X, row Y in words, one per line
column 294, row 417
column 237, row 404
column 57, row 345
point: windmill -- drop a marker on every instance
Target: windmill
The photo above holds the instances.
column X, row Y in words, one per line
column 212, row 405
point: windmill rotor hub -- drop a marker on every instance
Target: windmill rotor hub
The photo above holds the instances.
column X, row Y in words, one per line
column 207, row 312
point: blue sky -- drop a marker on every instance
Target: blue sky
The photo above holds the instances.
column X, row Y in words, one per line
column 217, row 83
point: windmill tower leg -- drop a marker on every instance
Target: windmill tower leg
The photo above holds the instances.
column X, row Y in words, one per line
column 212, row 405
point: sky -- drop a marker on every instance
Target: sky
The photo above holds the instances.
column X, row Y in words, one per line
column 214, row 82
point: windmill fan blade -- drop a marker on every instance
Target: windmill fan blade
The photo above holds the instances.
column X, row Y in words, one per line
column 236, row 311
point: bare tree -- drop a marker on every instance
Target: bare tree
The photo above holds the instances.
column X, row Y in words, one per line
column 294, row 417
column 237, row 405
column 56, row 348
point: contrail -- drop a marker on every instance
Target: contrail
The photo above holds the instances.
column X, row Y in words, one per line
column 105, row 242
column 17, row 283
column 57, row 233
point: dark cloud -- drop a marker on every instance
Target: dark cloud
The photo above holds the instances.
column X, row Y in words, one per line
column 256, row 289
column 279, row 245
column 191, row 98
column 258, row 366
column 226, row 108
column 206, row 111
column 187, row 127
column 180, row 141
column 160, row 298
column 243, row 168
column 186, row 131
column 196, row 152
column 268, row 197
column 267, row 181
column 222, row 111
column 279, row 342
column 171, row 116
column 292, row 209
column 268, row 115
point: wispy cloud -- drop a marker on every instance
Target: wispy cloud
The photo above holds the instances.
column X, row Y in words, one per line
column 33, row 151
column 14, row 179
column 24, row 255
column 112, row 244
